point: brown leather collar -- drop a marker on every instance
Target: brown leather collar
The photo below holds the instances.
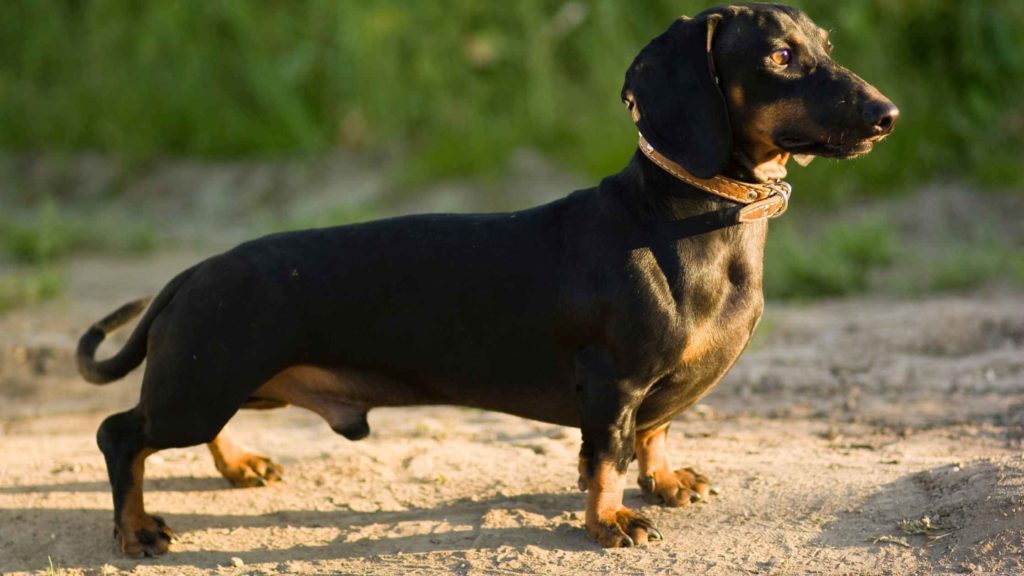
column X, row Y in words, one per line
column 760, row 201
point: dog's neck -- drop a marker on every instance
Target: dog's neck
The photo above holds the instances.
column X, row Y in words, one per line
column 662, row 202
column 744, row 202
column 655, row 184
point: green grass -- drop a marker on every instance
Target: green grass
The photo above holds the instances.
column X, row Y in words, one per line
column 322, row 219
column 46, row 234
column 52, row 570
column 458, row 86
column 809, row 256
column 968, row 266
column 838, row 261
column 33, row 286
column 36, row 241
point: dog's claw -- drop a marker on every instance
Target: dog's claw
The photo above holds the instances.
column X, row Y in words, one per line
column 151, row 537
column 647, row 484
column 675, row 489
column 625, row 529
column 251, row 471
column 715, row 490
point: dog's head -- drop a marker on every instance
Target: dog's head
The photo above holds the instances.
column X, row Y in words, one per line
column 751, row 85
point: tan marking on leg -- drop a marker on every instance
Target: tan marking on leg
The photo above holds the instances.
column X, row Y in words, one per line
column 132, row 507
column 607, row 520
column 650, row 448
column 137, row 533
column 656, row 477
column 240, row 467
column 604, row 493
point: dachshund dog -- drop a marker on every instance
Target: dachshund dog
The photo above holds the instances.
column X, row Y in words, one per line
column 610, row 310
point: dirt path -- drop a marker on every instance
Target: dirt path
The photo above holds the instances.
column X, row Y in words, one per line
column 842, row 420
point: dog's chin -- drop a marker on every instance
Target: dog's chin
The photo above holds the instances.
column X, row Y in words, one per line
column 841, row 151
column 847, row 151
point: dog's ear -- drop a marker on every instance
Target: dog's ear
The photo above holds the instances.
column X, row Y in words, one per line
column 672, row 92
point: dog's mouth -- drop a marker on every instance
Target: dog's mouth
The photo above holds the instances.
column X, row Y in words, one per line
column 827, row 148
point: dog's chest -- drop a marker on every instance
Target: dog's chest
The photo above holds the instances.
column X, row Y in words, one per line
column 719, row 301
column 717, row 324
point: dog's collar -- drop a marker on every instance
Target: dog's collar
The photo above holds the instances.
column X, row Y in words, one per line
column 760, row 201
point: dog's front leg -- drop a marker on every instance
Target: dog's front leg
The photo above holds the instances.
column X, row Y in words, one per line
column 657, row 479
column 608, row 405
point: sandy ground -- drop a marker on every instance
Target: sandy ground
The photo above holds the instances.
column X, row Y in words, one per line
column 841, row 421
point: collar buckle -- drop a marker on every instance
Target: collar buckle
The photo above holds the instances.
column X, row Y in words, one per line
column 781, row 187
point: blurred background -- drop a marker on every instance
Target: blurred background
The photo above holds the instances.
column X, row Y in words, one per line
column 886, row 378
column 130, row 127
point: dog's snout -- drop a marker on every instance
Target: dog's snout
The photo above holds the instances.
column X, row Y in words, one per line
column 881, row 115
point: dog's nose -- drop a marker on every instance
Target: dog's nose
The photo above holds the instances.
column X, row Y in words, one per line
column 881, row 115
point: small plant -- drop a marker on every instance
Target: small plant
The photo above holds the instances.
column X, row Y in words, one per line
column 27, row 288
column 38, row 238
column 52, row 570
column 923, row 527
column 45, row 235
column 838, row 261
column 891, row 540
column 969, row 266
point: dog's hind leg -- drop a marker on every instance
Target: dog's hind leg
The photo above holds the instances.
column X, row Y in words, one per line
column 121, row 437
column 240, row 467
column 168, row 416
column 128, row 438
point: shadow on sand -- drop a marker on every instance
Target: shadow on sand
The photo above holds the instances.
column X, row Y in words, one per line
column 81, row 538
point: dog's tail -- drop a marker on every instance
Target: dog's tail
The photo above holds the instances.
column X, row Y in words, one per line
column 134, row 351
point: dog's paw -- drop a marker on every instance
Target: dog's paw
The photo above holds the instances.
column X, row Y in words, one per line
column 622, row 529
column 141, row 536
column 250, row 470
column 679, row 488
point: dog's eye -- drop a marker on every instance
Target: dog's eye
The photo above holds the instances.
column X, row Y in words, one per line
column 781, row 57
column 828, row 46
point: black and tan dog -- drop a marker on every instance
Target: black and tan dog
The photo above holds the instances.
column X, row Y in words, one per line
column 610, row 310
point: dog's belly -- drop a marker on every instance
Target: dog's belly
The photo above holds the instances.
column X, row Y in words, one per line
column 343, row 397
